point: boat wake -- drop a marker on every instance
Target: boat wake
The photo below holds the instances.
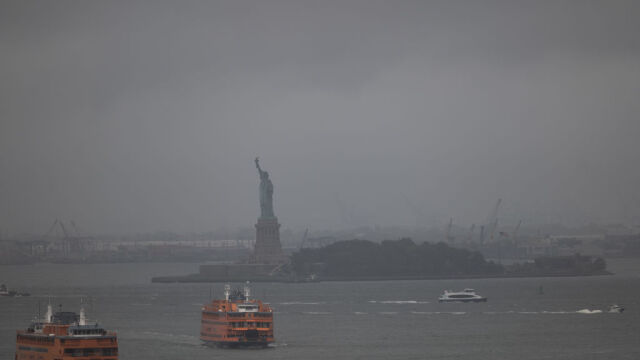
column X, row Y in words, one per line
column 316, row 312
column 583, row 311
column 439, row 312
column 300, row 303
column 544, row 312
column 399, row 302
column 277, row 345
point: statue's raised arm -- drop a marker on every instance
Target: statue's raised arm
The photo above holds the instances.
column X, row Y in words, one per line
column 258, row 165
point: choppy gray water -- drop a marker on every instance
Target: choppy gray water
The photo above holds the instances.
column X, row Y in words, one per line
column 346, row 320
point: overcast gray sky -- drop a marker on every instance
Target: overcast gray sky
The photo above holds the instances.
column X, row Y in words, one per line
column 131, row 116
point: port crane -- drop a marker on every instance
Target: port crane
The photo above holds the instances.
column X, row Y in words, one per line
column 494, row 226
column 491, row 223
column 68, row 243
column 304, row 239
column 471, row 229
column 515, row 237
column 494, row 213
column 450, row 237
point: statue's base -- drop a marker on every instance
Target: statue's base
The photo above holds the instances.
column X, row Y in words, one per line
column 229, row 273
column 268, row 249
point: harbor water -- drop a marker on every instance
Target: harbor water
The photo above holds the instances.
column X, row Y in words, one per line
column 531, row 318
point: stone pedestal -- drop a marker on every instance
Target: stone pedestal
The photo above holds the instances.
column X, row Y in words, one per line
column 268, row 249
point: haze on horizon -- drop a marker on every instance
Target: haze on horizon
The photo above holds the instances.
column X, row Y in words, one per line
column 146, row 115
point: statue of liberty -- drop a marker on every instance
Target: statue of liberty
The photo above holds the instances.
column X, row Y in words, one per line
column 266, row 193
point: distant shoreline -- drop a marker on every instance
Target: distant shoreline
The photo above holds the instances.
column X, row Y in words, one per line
column 196, row 278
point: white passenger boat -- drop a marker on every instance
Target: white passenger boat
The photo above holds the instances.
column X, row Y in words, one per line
column 466, row 295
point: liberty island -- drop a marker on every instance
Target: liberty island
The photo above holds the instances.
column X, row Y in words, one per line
column 267, row 256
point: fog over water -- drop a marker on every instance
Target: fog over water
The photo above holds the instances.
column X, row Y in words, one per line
column 147, row 115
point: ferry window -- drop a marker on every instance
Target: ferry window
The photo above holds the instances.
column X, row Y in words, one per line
column 91, row 352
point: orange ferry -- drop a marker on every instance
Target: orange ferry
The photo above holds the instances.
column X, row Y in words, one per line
column 237, row 321
column 65, row 335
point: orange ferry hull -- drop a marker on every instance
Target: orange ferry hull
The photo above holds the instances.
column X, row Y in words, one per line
column 29, row 347
column 63, row 336
column 237, row 323
column 234, row 329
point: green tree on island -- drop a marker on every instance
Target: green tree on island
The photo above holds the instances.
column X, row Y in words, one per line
column 362, row 258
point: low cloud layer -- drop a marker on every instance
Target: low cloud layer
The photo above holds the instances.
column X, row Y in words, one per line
column 147, row 115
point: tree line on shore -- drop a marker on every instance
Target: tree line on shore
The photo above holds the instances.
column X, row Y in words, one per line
column 362, row 258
